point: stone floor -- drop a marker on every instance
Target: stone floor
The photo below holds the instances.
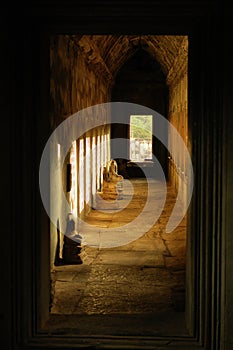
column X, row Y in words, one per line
column 142, row 281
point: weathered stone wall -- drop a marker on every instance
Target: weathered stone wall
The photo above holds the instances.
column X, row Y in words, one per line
column 177, row 80
column 77, row 81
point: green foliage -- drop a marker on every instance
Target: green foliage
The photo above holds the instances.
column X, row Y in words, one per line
column 141, row 126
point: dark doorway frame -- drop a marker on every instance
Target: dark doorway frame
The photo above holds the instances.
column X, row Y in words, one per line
column 29, row 273
column 160, row 105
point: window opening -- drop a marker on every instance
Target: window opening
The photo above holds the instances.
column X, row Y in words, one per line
column 141, row 137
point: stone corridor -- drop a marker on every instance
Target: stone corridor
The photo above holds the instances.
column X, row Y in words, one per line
column 143, row 278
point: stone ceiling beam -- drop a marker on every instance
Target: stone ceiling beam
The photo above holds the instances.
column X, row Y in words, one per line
column 93, row 56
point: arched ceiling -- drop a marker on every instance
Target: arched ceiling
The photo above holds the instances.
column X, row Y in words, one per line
column 115, row 50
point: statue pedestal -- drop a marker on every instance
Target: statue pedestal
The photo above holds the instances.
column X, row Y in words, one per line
column 71, row 251
column 72, row 246
column 112, row 188
column 106, row 204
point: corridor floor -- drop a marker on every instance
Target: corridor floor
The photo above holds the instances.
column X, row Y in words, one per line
column 135, row 281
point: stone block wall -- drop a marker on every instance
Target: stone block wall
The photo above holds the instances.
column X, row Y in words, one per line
column 77, row 80
column 177, row 81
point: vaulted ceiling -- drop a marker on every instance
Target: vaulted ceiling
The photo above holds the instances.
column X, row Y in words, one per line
column 115, row 50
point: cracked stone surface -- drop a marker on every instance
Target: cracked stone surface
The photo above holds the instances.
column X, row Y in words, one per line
column 142, row 279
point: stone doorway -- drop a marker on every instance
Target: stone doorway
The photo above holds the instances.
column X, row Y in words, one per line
column 147, row 277
column 208, row 258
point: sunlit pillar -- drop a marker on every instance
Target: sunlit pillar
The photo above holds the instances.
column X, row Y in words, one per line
column 88, row 170
column 73, row 192
column 81, row 176
column 93, row 166
column 98, row 163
